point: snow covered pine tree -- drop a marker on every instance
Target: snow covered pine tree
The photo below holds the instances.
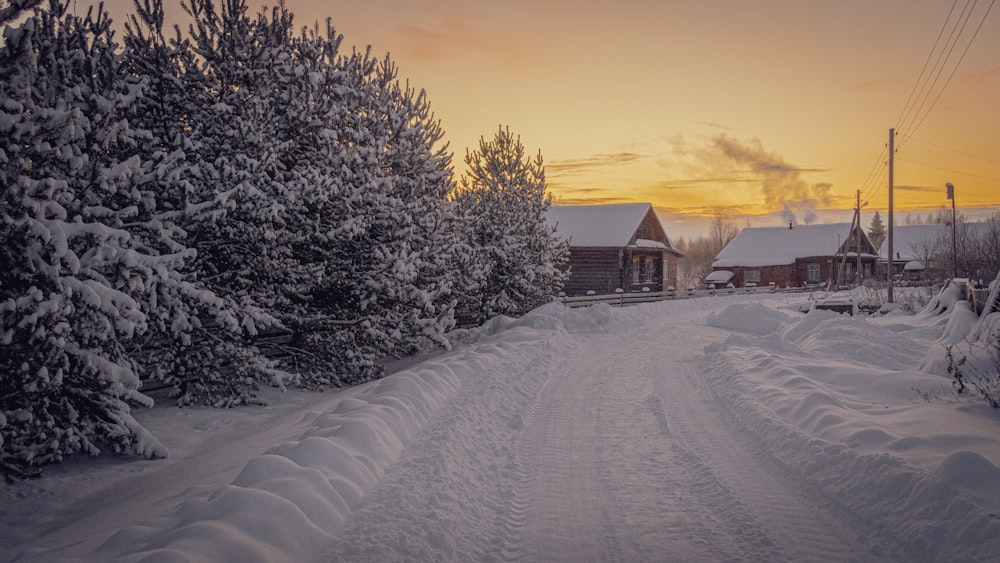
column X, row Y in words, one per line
column 74, row 284
column 373, row 224
column 517, row 261
column 198, row 340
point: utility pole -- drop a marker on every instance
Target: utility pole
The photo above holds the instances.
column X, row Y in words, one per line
column 954, row 226
column 892, row 150
column 845, row 248
column 857, row 240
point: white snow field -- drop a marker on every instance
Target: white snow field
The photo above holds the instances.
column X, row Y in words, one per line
column 715, row 429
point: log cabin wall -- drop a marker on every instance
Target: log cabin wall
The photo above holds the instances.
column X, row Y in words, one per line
column 601, row 270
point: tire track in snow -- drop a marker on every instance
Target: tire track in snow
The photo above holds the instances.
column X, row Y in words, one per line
column 567, row 515
column 802, row 526
column 511, row 527
column 452, row 496
column 606, row 480
column 670, row 501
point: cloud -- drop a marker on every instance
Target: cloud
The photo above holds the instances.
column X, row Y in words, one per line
column 981, row 79
column 573, row 195
column 590, row 164
column 714, row 125
column 689, row 183
column 449, row 38
column 562, row 200
column 565, row 195
column 725, row 159
column 924, row 189
column 874, row 84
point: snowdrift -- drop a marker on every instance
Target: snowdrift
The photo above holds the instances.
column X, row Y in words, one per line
column 838, row 403
column 286, row 504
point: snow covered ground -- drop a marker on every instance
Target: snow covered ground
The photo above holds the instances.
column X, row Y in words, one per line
column 725, row 428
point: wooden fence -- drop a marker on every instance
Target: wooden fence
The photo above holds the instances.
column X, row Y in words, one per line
column 624, row 299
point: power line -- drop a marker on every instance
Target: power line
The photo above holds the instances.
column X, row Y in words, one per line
column 904, row 112
column 952, row 149
column 997, row 180
column 912, row 113
column 957, row 64
column 873, row 181
column 939, row 65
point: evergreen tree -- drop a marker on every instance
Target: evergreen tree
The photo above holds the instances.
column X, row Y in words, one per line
column 876, row 230
column 233, row 132
column 75, row 285
column 378, row 238
column 517, row 261
column 163, row 202
column 195, row 340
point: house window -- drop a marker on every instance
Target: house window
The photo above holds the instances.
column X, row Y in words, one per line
column 751, row 276
column 648, row 271
column 812, row 273
column 636, row 265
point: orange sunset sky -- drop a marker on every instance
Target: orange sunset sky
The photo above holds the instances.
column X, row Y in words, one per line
column 766, row 111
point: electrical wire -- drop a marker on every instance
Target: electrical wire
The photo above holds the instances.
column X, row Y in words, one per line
column 955, row 69
column 968, row 154
column 997, row 180
column 871, row 185
column 912, row 115
column 904, row 112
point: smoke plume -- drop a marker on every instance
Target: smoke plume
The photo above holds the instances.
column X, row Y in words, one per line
column 781, row 184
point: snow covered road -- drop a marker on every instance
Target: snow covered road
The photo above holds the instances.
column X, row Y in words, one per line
column 617, row 457
column 705, row 430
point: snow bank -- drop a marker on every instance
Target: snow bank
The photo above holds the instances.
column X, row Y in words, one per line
column 833, row 401
column 752, row 317
column 288, row 503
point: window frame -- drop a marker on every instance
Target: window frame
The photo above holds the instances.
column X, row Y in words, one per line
column 812, row 267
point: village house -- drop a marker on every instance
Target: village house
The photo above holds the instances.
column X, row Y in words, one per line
column 796, row 256
column 926, row 252
column 915, row 248
column 615, row 246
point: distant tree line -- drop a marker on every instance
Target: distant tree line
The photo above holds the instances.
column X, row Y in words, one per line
column 166, row 200
column 700, row 252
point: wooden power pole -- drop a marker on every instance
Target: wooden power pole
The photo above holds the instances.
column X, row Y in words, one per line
column 857, row 241
column 892, row 151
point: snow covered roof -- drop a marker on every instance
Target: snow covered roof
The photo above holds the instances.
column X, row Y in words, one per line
column 777, row 246
column 719, row 276
column 607, row 225
column 912, row 242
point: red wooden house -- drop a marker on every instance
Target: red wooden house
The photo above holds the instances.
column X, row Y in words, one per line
column 795, row 256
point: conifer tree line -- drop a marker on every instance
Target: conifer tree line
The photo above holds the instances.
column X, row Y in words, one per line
column 167, row 198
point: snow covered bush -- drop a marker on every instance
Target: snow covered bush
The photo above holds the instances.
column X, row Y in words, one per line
column 514, row 262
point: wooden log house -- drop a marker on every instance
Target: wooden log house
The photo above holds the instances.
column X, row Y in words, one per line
column 798, row 255
column 615, row 246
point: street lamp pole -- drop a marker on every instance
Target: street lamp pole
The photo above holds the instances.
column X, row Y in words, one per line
column 954, row 229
